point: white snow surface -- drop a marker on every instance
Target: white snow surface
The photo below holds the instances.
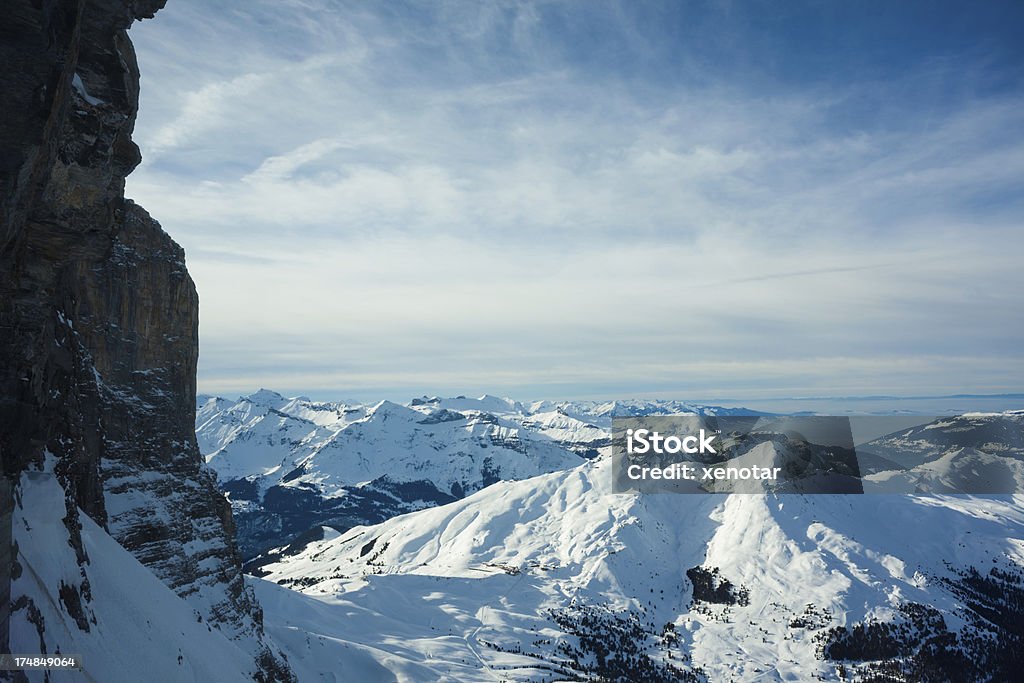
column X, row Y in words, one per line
column 137, row 628
column 266, row 437
column 296, row 442
column 419, row 596
column 79, row 86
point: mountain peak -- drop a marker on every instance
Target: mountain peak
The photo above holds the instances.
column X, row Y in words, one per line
column 387, row 408
column 266, row 397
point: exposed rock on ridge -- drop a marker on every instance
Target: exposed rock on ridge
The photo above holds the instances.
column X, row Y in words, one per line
column 99, row 317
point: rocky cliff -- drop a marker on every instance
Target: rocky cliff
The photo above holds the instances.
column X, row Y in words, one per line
column 99, row 322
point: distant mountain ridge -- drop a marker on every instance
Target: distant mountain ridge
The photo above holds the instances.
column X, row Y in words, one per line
column 293, row 464
column 970, row 453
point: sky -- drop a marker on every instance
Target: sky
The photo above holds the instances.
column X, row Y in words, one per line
column 592, row 199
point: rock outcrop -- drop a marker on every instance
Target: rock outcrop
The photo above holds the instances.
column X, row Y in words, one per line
column 99, row 318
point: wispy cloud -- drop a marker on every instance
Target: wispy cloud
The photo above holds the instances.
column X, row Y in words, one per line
column 428, row 196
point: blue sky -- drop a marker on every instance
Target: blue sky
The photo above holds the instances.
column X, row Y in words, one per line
column 593, row 199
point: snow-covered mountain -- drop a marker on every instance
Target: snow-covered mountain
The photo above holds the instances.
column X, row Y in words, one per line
column 127, row 622
column 553, row 576
column 972, row 453
column 556, row 577
column 291, row 464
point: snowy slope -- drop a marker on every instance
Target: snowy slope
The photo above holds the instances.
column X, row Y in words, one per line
column 265, row 435
column 998, row 433
column 453, row 451
column 503, row 578
column 971, row 453
column 124, row 621
column 255, row 435
column 292, row 464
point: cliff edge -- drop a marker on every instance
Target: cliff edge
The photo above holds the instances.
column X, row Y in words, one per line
column 99, row 331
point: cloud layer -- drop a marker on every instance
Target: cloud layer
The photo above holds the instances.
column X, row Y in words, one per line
column 555, row 199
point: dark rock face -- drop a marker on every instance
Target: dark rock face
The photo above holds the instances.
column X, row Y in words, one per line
column 98, row 315
column 6, row 561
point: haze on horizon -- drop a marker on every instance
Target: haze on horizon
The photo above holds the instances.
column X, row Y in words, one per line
column 592, row 199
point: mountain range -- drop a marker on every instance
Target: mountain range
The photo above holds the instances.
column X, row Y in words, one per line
column 557, row 578
column 289, row 465
column 552, row 576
